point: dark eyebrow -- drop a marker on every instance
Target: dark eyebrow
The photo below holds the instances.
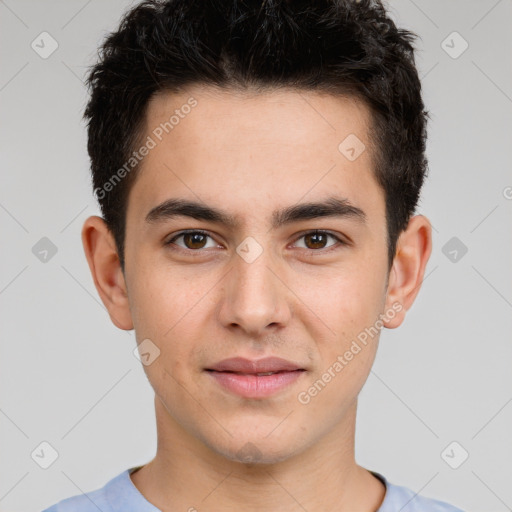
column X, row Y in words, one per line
column 332, row 207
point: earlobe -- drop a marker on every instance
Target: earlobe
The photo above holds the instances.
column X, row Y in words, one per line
column 100, row 251
column 407, row 273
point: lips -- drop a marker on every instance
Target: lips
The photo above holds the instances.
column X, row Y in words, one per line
column 255, row 379
column 266, row 366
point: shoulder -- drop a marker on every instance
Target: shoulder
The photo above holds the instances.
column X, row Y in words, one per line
column 406, row 500
column 90, row 501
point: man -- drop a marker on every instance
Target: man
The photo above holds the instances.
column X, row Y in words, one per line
column 258, row 166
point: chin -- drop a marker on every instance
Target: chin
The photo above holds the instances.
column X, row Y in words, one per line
column 256, row 452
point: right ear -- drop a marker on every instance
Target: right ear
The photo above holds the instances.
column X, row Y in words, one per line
column 101, row 253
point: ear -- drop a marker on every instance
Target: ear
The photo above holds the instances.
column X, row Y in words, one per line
column 414, row 247
column 101, row 253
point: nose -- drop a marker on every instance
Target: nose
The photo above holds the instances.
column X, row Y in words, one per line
column 255, row 298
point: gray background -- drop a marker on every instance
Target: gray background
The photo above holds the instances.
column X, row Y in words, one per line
column 68, row 375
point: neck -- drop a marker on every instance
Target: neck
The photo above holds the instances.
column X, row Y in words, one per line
column 186, row 474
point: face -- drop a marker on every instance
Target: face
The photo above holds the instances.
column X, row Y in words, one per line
column 268, row 276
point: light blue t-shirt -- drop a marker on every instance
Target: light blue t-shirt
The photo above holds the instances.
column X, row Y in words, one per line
column 121, row 495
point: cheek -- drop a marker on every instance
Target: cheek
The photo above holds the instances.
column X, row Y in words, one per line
column 346, row 304
column 351, row 308
column 163, row 299
column 170, row 309
column 334, row 388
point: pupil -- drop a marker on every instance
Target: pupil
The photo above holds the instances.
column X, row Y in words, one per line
column 194, row 238
column 316, row 236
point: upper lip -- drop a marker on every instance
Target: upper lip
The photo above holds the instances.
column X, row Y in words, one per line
column 267, row 364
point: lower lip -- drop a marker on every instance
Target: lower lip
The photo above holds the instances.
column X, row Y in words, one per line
column 255, row 386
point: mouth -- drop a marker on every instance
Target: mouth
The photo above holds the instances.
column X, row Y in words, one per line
column 267, row 365
column 259, row 374
column 255, row 379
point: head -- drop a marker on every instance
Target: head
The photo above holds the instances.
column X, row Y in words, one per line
column 276, row 119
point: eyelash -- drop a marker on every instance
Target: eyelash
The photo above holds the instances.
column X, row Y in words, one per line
column 314, row 231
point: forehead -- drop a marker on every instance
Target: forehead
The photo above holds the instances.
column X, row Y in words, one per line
column 249, row 150
column 307, row 116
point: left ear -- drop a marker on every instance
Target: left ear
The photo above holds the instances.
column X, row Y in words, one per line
column 414, row 247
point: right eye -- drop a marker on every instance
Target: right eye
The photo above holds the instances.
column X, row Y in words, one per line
column 193, row 240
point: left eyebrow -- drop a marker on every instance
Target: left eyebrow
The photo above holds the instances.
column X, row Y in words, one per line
column 331, row 207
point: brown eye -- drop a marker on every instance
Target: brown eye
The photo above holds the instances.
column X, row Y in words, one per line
column 193, row 240
column 317, row 240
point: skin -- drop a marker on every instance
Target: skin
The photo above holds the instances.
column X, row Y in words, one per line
column 250, row 155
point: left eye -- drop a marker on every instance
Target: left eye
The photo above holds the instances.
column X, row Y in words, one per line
column 195, row 240
column 318, row 238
